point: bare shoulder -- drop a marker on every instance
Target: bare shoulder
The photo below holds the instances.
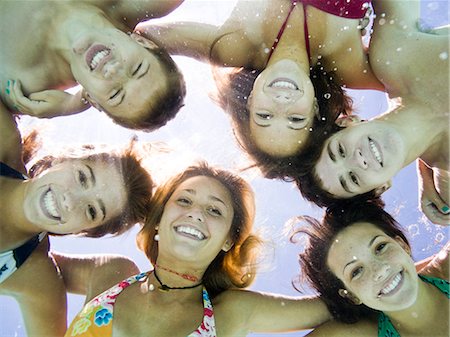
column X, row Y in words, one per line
column 339, row 329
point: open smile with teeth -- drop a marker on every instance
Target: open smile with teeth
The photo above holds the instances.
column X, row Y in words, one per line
column 283, row 84
column 375, row 151
column 50, row 205
column 190, row 232
column 97, row 57
column 392, row 285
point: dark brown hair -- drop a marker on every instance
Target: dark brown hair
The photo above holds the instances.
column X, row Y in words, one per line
column 232, row 95
column 313, row 261
column 235, row 268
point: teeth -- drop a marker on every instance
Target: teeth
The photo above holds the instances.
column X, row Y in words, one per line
column 375, row 151
column 50, row 204
column 392, row 285
column 98, row 58
column 283, row 85
column 191, row 231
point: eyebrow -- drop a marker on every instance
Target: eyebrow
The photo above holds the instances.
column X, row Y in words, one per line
column 373, row 239
column 191, row 191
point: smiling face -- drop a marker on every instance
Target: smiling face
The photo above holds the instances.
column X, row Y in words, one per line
column 75, row 195
column 118, row 72
column 374, row 267
column 196, row 221
column 360, row 158
column 281, row 109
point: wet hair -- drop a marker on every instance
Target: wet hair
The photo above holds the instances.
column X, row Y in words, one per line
column 313, row 261
column 166, row 105
column 232, row 269
column 311, row 186
column 232, row 96
column 137, row 182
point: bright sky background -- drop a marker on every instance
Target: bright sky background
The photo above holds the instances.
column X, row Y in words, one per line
column 202, row 131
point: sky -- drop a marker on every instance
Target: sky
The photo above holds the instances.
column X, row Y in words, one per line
column 201, row 130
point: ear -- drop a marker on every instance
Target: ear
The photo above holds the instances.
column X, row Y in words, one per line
column 92, row 101
column 383, row 188
column 403, row 244
column 316, row 109
column 349, row 296
column 348, row 120
column 144, row 41
column 227, row 245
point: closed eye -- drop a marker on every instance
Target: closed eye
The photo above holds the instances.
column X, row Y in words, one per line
column 136, row 70
column 82, row 178
column 341, row 150
column 184, row 201
column 116, row 97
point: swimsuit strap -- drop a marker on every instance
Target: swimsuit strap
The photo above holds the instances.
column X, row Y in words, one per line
column 283, row 27
column 280, row 33
column 8, row 171
column 439, row 283
column 385, row 326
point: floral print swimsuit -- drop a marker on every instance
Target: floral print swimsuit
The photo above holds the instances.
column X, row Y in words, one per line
column 95, row 319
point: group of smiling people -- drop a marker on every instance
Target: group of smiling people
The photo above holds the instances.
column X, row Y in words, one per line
column 281, row 77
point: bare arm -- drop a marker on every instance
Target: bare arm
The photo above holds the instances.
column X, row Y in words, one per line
column 131, row 12
column 91, row 274
column 260, row 312
column 339, row 329
column 11, row 142
column 190, row 39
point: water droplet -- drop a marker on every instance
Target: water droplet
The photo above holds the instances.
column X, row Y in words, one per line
column 365, row 71
column 283, row 303
column 266, row 50
column 413, row 230
column 349, row 49
column 151, row 287
column 334, row 69
column 319, row 57
column 399, row 49
column 383, row 15
column 327, row 95
column 439, row 237
column 388, row 63
column 443, row 55
column 382, row 22
column 391, row 22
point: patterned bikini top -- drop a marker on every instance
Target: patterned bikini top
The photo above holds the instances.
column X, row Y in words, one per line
column 385, row 326
column 95, row 319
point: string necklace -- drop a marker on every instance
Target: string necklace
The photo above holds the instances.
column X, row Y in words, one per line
column 164, row 287
column 188, row 277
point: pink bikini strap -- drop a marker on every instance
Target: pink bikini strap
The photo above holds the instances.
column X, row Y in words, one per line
column 283, row 27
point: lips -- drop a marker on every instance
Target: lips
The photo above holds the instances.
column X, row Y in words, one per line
column 97, row 56
column 392, row 286
column 49, row 205
column 190, row 232
column 376, row 151
column 283, row 83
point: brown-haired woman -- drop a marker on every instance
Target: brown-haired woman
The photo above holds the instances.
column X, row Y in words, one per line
column 359, row 261
column 94, row 195
column 290, row 59
column 198, row 236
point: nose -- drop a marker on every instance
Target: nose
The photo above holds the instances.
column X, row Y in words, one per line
column 380, row 270
column 196, row 214
column 111, row 68
column 70, row 200
column 359, row 159
column 282, row 97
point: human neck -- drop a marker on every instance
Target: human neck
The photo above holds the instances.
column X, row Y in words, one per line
column 418, row 132
column 418, row 316
column 13, row 198
column 175, row 276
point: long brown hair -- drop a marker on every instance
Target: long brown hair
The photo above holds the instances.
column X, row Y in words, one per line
column 235, row 268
